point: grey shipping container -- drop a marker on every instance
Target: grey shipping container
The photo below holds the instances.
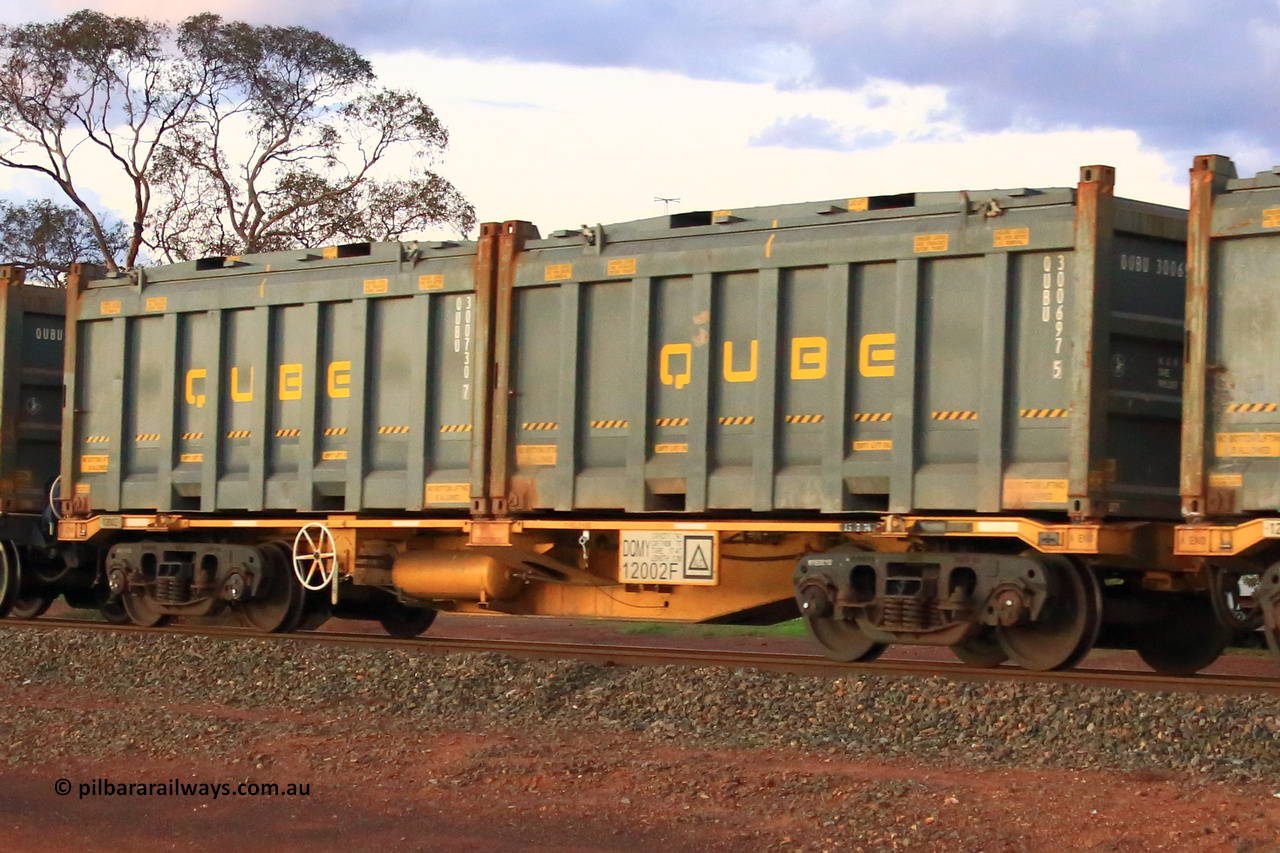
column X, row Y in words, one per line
column 334, row 380
column 955, row 352
column 32, row 325
column 1231, row 449
column 962, row 351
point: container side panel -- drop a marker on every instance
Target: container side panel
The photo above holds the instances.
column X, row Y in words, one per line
column 871, row 358
column 1244, row 387
column 605, row 364
column 679, row 344
column 194, row 424
column 804, row 382
column 735, row 367
column 1150, row 277
column 393, row 347
column 451, row 389
column 148, row 370
column 1040, row 346
column 31, row 443
column 243, row 381
column 950, row 380
column 542, row 409
column 292, row 382
column 1144, row 411
column 100, row 382
column 336, row 399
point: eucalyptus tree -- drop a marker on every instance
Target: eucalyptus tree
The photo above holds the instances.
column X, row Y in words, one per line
column 47, row 238
column 93, row 92
column 225, row 137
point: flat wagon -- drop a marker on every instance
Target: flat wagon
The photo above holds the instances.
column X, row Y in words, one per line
column 944, row 418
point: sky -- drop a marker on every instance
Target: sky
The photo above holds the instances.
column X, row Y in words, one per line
column 570, row 113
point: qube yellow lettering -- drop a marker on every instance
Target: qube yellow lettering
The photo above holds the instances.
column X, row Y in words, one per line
column 873, row 353
column 748, row 375
column 236, row 394
column 339, row 378
column 664, row 364
column 193, row 398
column 291, row 382
column 808, row 358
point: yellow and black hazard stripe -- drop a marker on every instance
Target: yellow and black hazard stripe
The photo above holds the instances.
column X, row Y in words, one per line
column 609, row 424
column 192, row 436
column 670, row 421
column 873, row 416
column 392, row 430
column 1042, row 413
column 97, row 439
column 147, row 436
column 455, row 428
column 288, row 433
column 954, row 416
column 336, row 431
column 1252, row 407
column 540, row 425
column 738, row 421
column 804, row 419
column 240, row 433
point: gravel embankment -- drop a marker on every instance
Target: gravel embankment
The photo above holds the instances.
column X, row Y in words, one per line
column 197, row 697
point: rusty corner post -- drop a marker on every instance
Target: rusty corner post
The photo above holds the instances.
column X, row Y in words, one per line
column 78, row 277
column 11, row 275
column 1209, row 176
column 484, row 273
column 1087, row 427
column 514, row 234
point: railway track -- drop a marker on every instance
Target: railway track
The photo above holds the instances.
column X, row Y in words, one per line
column 636, row 655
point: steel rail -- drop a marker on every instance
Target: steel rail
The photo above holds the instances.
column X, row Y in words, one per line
column 634, row 655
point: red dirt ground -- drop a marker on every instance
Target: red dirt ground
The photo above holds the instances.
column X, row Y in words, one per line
column 485, row 792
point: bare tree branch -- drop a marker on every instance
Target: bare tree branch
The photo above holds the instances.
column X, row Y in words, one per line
column 47, row 239
column 231, row 138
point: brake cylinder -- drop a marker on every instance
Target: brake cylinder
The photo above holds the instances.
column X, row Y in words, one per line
column 454, row 575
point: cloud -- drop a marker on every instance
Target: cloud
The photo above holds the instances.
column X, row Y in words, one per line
column 809, row 131
column 1187, row 76
column 602, row 144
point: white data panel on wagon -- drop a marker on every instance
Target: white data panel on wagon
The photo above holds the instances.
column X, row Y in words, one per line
column 668, row 557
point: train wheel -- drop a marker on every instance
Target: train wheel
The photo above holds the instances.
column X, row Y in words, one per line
column 405, row 623
column 113, row 611
column 30, row 606
column 1068, row 625
column 1231, row 594
column 281, row 605
column 982, row 649
column 843, row 640
column 142, row 611
column 1185, row 638
column 1268, row 597
column 10, row 577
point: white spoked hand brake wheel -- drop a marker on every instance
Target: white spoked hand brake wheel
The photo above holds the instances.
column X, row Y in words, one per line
column 315, row 556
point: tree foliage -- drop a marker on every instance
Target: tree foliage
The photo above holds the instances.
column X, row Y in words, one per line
column 91, row 84
column 231, row 138
column 47, row 238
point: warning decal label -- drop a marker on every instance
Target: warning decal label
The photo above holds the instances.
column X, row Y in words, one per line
column 668, row 557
